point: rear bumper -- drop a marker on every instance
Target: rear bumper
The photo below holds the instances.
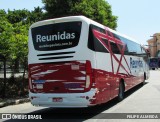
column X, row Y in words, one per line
column 70, row 100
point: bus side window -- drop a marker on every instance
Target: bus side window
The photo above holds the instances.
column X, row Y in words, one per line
column 93, row 43
column 120, row 46
column 116, row 36
column 126, row 50
column 105, row 41
column 114, row 48
column 108, row 33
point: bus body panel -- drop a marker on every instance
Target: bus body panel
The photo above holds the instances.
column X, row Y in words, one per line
column 59, row 100
column 83, row 75
column 111, row 68
column 63, row 77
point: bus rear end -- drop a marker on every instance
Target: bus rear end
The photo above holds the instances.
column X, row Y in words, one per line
column 60, row 64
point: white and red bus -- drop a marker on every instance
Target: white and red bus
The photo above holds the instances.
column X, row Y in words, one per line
column 77, row 62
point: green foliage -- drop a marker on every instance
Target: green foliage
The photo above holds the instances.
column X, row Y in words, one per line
column 16, row 16
column 98, row 10
column 35, row 15
column 14, row 35
column 14, row 26
column 58, row 8
column 6, row 30
column 18, row 42
column 25, row 16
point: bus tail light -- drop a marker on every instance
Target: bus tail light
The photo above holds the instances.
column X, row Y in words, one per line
column 88, row 74
column 88, row 81
column 30, row 85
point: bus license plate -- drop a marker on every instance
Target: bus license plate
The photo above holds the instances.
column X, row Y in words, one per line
column 39, row 86
column 58, row 99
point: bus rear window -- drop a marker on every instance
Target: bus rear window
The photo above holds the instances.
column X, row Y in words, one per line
column 56, row 36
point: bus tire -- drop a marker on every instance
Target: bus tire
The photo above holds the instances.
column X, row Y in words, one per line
column 144, row 78
column 121, row 91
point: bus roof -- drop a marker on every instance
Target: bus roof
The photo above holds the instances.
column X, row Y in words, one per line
column 62, row 19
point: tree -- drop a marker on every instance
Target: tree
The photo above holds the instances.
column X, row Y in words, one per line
column 35, row 15
column 5, row 33
column 14, row 26
column 6, row 29
column 14, row 36
column 18, row 44
column 16, row 16
column 98, row 10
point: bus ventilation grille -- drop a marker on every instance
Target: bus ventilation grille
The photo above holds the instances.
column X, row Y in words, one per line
column 57, row 55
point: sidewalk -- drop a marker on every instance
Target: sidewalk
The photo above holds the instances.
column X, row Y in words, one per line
column 13, row 102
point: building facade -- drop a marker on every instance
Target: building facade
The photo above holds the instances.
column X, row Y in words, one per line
column 154, row 45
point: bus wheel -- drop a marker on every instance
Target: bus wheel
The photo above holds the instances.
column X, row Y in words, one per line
column 121, row 91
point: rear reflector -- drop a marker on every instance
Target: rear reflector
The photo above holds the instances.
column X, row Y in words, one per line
column 39, row 86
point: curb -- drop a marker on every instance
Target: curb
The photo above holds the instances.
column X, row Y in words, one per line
column 14, row 102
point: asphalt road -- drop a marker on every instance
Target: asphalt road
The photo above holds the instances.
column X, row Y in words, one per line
column 141, row 99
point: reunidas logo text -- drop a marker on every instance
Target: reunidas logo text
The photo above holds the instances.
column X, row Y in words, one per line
column 58, row 36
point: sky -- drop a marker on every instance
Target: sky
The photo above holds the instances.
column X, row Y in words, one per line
column 138, row 19
column 20, row 4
